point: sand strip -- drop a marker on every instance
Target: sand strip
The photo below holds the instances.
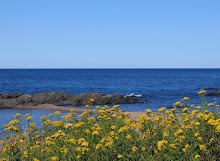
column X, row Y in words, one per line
column 61, row 108
column 52, row 107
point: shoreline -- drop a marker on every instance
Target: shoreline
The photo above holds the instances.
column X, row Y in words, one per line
column 67, row 109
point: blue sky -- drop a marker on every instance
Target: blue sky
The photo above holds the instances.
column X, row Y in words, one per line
column 109, row 34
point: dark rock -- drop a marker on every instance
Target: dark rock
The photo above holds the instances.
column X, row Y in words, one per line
column 212, row 88
column 76, row 101
column 142, row 101
column 50, row 98
column 15, row 99
column 12, row 95
column 11, row 100
column 5, row 103
column 24, row 99
column 213, row 94
column 104, row 100
column 115, row 98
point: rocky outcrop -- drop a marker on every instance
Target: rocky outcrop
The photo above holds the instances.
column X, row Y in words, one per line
column 212, row 88
column 216, row 93
column 15, row 99
column 213, row 94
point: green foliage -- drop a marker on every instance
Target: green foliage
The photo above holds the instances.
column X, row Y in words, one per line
column 110, row 134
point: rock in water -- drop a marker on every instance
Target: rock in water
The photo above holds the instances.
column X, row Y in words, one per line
column 15, row 99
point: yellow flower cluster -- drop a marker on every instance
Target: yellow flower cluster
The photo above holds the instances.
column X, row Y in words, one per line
column 105, row 133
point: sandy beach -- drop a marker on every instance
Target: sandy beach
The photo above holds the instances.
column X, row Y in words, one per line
column 61, row 108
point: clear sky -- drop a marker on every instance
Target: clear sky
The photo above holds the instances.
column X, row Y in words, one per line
column 110, row 34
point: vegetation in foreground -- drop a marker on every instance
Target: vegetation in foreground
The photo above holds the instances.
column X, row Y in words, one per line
column 109, row 134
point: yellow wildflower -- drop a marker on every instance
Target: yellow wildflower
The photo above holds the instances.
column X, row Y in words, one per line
column 197, row 156
column 148, row 111
column 202, row 147
column 217, row 129
column 109, row 144
column 112, row 133
column 35, row 159
column 29, row 118
column 185, row 98
column 84, row 144
column 160, row 144
column 120, row 156
column 173, row 145
column 95, row 133
column 197, row 123
column 25, row 154
column 135, row 149
column 119, row 117
column 18, row 114
column 177, row 103
column 161, row 109
column 194, row 112
column 206, row 111
column 98, row 146
column 185, row 109
column 201, row 92
column 54, row 158
column 33, row 125
column 200, row 115
column 67, row 125
column 26, row 115
column 213, row 122
column 57, row 113
column 157, row 118
column 198, row 107
column 97, row 107
column 206, row 117
column 127, row 113
column 123, row 129
column 179, row 131
column 128, row 136
column 92, row 100
column 211, row 140
column 13, row 122
column 114, row 115
column 57, row 123
column 3, row 159
column 81, row 140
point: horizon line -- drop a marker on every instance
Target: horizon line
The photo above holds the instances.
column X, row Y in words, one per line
column 106, row 68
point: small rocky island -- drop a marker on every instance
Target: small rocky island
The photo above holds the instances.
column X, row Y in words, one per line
column 60, row 99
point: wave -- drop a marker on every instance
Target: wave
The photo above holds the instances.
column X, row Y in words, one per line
column 133, row 95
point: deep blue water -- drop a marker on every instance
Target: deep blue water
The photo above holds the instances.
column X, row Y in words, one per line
column 162, row 87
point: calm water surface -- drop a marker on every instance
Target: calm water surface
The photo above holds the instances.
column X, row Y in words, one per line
column 162, row 87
